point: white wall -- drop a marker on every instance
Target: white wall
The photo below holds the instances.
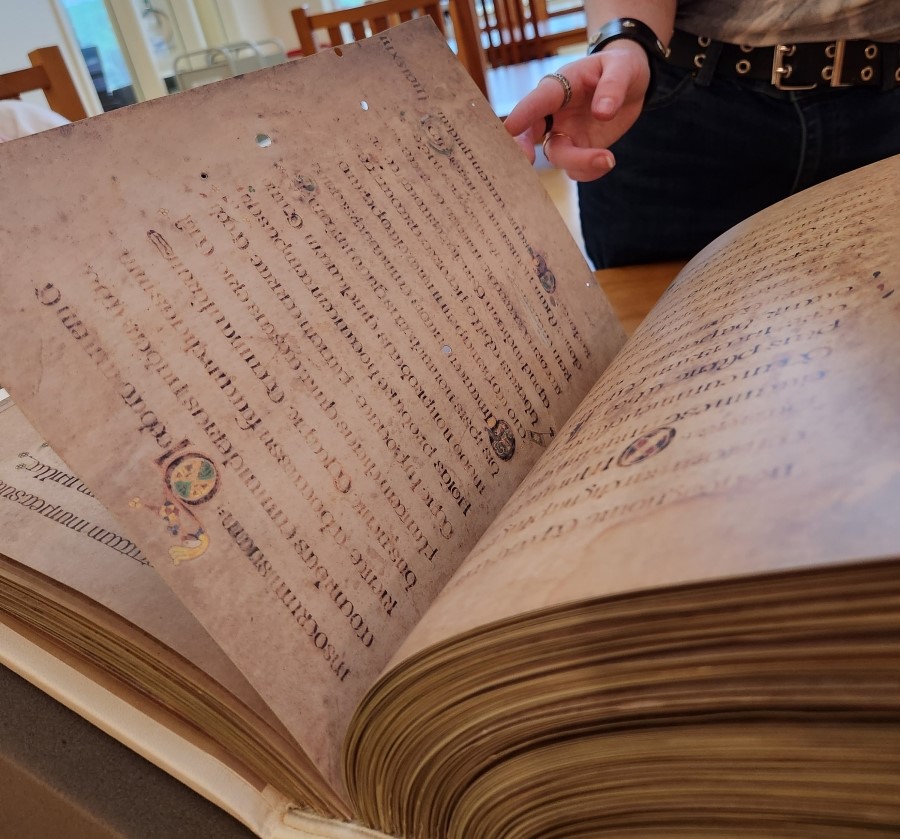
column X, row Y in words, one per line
column 29, row 24
column 259, row 19
column 280, row 17
column 279, row 14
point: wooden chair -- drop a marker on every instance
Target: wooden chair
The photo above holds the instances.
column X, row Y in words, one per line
column 488, row 35
column 515, row 31
column 509, row 45
column 371, row 18
column 511, row 31
column 363, row 21
column 49, row 73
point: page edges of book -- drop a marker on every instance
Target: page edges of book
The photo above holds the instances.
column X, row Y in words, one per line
column 147, row 737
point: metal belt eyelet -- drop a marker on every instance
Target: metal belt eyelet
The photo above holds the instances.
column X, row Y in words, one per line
column 827, row 72
column 746, row 48
column 699, row 58
column 830, row 50
column 871, row 51
column 897, row 75
column 704, row 41
column 866, row 74
column 742, row 67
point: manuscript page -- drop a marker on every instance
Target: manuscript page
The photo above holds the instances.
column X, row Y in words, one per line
column 50, row 522
column 303, row 333
column 749, row 425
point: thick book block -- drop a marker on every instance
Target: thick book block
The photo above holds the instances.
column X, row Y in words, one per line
column 359, row 514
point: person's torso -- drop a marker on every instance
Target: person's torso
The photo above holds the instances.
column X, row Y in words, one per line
column 769, row 22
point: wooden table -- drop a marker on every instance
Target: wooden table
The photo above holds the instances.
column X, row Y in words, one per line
column 634, row 290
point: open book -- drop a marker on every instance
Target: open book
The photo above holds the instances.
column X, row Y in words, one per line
column 353, row 486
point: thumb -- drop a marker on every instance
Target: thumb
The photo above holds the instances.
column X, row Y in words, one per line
column 619, row 72
column 526, row 143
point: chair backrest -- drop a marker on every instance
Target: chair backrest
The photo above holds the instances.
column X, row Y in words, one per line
column 511, row 31
column 515, row 31
column 361, row 21
column 49, row 73
column 371, row 18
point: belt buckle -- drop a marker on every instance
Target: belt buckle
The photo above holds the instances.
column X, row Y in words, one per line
column 835, row 52
column 782, row 71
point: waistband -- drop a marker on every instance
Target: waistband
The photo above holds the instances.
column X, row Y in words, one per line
column 835, row 64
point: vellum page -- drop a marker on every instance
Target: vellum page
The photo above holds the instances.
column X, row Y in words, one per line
column 51, row 522
column 303, row 333
column 750, row 425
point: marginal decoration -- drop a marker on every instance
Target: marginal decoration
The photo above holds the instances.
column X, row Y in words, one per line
column 545, row 276
column 647, row 445
column 192, row 478
column 189, row 480
column 437, row 137
column 503, row 441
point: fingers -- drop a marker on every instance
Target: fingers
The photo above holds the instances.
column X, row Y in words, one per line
column 564, row 83
column 530, row 119
column 526, row 143
column 610, row 93
column 580, row 164
column 624, row 71
column 546, row 98
column 594, row 100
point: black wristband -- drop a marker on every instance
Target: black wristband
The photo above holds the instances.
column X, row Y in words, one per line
column 632, row 30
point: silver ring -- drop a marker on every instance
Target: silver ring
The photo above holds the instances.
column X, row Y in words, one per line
column 566, row 86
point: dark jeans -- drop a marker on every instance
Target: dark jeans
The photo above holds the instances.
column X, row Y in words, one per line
column 702, row 158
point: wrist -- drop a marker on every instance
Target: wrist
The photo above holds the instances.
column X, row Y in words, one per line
column 627, row 47
column 630, row 34
column 631, row 30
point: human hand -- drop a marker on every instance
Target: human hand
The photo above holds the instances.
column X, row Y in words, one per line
column 608, row 91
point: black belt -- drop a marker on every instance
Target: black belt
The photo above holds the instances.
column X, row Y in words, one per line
column 791, row 66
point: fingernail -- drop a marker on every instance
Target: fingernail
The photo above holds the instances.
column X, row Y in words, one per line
column 610, row 161
column 606, row 106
